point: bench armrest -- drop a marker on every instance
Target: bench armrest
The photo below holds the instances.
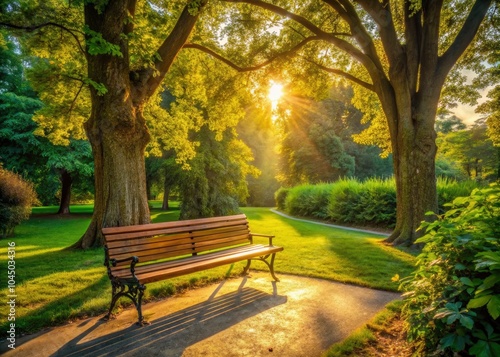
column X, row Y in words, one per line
column 264, row 235
column 134, row 260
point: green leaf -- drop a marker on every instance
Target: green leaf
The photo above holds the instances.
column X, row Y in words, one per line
column 478, row 302
column 467, row 281
column 466, row 322
column 490, row 281
column 494, row 306
column 97, row 45
column 453, row 341
column 485, row 349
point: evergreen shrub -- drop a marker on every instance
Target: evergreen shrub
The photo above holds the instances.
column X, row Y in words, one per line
column 16, row 199
column 368, row 203
column 452, row 300
column 372, row 202
column 309, row 200
column 377, row 203
column 280, row 197
column 345, row 201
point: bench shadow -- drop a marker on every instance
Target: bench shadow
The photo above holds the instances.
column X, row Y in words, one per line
column 179, row 330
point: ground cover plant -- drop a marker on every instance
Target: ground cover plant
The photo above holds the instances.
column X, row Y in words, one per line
column 55, row 285
column 452, row 303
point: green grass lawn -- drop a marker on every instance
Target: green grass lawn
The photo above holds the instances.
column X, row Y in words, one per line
column 54, row 285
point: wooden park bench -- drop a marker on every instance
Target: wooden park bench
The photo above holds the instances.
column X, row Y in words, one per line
column 141, row 254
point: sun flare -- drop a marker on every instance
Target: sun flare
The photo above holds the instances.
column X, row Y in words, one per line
column 275, row 93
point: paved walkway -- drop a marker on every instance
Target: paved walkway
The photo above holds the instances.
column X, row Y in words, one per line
column 247, row 316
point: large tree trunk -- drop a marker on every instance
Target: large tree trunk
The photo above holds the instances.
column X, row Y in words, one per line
column 166, row 194
column 414, row 170
column 117, row 132
column 116, row 128
column 66, row 182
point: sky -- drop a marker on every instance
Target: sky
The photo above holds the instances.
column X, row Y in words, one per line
column 467, row 113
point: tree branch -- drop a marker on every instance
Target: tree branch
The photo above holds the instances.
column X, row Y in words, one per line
column 285, row 13
column 346, row 75
column 346, row 10
column 343, row 45
column 430, row 42
column 149, row 80
column 256, row 67
column 74, row 100
column 413, row 35
column 382, row 15
column 36, row 27
column 464, row 37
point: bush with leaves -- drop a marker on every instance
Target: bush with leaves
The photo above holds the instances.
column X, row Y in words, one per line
column 452, row 300
column 308, row 200
column 280, row 197
column 16, row 198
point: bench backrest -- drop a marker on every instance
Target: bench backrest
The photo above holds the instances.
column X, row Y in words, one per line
column 171, row 239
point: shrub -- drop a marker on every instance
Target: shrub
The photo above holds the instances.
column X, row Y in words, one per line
column 345, row 201
column 372, row 202
column 449, row 189
column 16, row 198
column 280, row 197
column 452, row 300
column 308, row 200
column 377, row 203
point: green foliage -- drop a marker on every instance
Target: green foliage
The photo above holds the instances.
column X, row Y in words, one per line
column 309, row 200
column 16, row 198
column 311, row 149
column 472, row 151
column 452, row 300
column 216, row 181
column 368, row 203
column 97, row 45
column 448, row 168
column 280, row 197
column 372, row 202
column 31, row 155
column 449, row 189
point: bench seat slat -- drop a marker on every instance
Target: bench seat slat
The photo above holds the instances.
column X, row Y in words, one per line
column 160, row 271
column 145, row 267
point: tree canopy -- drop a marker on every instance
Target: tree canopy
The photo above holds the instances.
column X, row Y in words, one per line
column 124, row 52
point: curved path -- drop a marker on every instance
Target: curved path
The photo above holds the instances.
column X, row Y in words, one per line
column 247, row 316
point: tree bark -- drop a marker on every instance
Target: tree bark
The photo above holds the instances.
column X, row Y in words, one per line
column 116, row 128
column 166, row 194
column 414, row 171
column 66, row 182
